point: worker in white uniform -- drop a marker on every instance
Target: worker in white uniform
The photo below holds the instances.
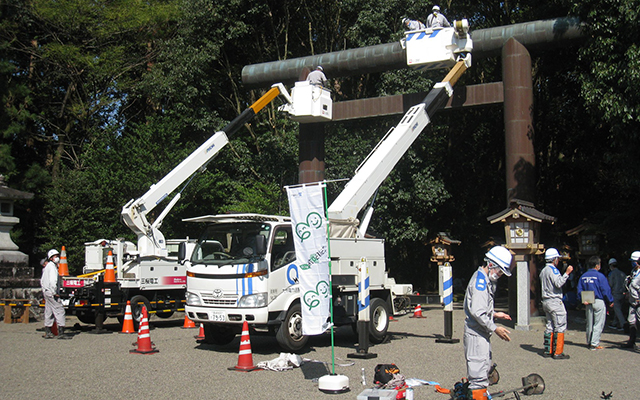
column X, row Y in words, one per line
column 479, row 325
column 552, row 281
column 317, row 77
column 437, row 19
column 53, row 309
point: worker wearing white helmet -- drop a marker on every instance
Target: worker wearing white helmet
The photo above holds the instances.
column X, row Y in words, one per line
column 479, row 325
column 317, row 77
column 53, row 309
column 633, row 290
column 436, row 19
column 412, row 24
column 552, row 281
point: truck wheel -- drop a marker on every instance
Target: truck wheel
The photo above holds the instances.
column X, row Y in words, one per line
column 217, row 334
column 290, row 336
column 136, row 308
column 86, row 317
column 379, row 320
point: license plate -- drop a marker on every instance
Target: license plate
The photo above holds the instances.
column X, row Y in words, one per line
column 218, row 316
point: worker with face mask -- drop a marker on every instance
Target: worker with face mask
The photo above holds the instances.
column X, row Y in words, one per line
column 436, row 19
column 479, row 325
column 552, row 281
column 53, row 309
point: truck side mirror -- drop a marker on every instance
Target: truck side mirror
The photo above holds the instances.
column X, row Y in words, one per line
column 182, row 252
column 261, row 245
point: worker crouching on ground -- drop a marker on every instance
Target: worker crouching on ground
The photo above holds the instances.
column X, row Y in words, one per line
column 552, row 281
column 53, row 309
column 479, row 325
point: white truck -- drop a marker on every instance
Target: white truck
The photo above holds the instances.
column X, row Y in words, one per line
column 148, row 273
column 244, row 269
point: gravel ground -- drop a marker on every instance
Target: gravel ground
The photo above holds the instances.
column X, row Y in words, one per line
column 100, row 366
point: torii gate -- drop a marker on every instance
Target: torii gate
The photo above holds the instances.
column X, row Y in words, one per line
column 515, row 91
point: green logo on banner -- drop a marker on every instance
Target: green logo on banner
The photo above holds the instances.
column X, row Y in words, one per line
column 303, row 229
column 312, row 298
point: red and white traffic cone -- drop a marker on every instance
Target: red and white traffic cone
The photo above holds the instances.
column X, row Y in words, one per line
column 200, row 335
column 127, row 324
column 245, row 358
column 144, row 339
column 417, row 312
column 109, row 272
column 188, row 323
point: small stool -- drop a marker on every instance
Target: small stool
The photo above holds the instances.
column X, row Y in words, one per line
column 18, row 303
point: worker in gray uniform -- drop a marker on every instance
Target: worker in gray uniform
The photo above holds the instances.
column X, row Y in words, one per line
column 53, row 309
column 633, row 293
column 479, row 325
column 552, row 281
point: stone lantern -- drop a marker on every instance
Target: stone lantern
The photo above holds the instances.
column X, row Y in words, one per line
column 588, row 239
column 14, row 265
column 522, row 233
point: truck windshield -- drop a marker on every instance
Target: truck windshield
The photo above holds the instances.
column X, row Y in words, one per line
column 230, row 243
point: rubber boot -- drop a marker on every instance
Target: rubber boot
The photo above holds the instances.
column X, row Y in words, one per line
column 47, row 333
column 479, row 394
column 61, row 334
column 631, row 344
column 548, row 344
column 559, row 353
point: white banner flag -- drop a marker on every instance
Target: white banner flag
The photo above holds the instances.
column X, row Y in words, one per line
column 306, row 204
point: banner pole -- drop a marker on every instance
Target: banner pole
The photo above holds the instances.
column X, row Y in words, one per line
column 326, row 212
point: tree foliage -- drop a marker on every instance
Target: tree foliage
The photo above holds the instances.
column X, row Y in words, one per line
column 102, row 99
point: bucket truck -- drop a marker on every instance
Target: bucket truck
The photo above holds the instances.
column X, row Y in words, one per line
column 244, row 268
column 148, row 274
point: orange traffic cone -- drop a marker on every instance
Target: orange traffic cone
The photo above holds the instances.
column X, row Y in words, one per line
column 417, row 312
column 245, row 358
column 127, row 324
column 200, row 335
column 144, row 339
column 63, row 267
column 109, row 273
column 188, row 323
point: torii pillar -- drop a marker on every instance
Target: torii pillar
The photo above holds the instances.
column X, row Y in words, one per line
column 520, row 164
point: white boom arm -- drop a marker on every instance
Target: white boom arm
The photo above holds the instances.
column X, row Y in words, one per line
column 384, row 157
column 151, row 241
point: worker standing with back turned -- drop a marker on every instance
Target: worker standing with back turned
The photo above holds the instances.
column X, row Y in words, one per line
column 479, row 325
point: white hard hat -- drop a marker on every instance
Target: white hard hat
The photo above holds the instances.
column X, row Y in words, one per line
column 435, row 8
column 613, row 261
column 51, row 253
column 501, row 257
column 635, row 256
column 405, row 20
column 551, row 254
column 320, row 68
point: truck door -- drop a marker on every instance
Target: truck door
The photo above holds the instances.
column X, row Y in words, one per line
column 284, row 269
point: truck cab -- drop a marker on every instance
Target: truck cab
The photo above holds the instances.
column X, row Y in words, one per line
column 244, row 269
